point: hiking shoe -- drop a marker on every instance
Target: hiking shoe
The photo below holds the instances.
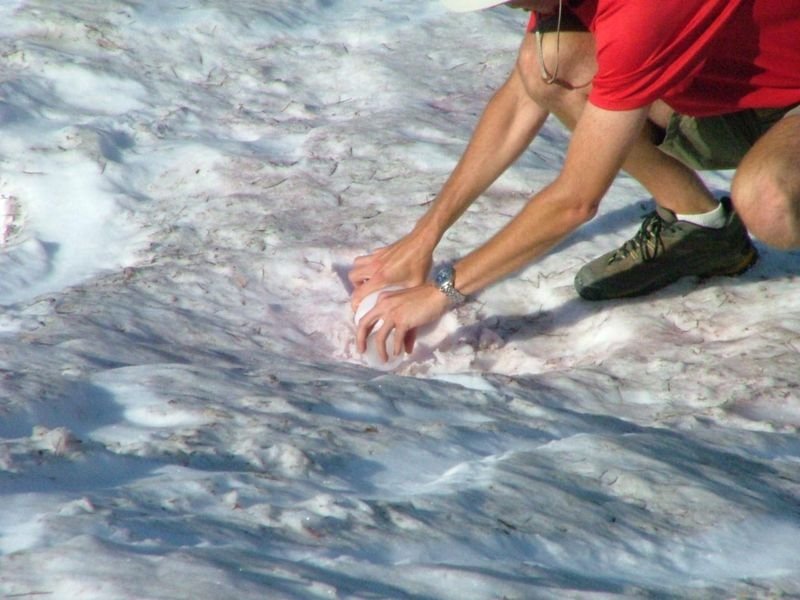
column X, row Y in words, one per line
column 664, row 250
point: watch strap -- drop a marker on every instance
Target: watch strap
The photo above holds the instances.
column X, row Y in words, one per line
column 445, row 281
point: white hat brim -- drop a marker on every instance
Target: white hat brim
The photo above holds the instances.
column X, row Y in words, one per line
column 469, row 5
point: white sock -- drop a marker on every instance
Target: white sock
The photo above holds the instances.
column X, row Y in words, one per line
column 714, row 219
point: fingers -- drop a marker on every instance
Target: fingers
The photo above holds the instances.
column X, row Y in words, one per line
column 405, row 263
column 372, row 323
column 399, row 342
column 400, row 312
column 379, row 331
column 379, row 339
column 366, row 267
column 403, row 340
column 364, row 290
column 364, row 329
column 365, row 278
column 362, row 270
column 409, row 340
column 378, row 324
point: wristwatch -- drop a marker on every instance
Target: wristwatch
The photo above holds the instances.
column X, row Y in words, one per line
column 445, row 281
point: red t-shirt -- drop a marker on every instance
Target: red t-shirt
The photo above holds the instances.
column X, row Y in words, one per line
column 702, row 57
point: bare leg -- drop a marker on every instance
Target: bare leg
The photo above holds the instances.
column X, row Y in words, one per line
column 656, row 256
column 509, row 123
column 673, row 185
column 766, row 187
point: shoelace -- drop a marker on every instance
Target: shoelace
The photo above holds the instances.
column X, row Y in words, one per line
column 647, row 241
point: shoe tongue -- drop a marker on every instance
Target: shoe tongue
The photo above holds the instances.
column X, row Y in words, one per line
column 666, row 214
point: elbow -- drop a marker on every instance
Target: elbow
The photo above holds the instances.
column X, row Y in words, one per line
column 587, row 211
column 580, row 209
column 577, row 199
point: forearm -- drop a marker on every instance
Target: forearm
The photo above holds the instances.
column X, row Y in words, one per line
column 598, row 148
column 548, row 218
column 506, row 128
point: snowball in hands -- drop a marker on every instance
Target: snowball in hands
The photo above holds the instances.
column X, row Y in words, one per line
column 371, row 356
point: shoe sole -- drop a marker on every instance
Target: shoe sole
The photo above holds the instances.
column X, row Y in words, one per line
column 747, row 261
column 593, row 294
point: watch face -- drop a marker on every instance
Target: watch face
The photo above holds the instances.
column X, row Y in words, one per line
column 444, row 281
column 443, row 276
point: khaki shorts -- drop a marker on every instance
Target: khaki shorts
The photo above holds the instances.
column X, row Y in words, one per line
column 719, row 142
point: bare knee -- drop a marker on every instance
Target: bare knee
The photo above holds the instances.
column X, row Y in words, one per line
column 768, row 205
column 528, row 69
column 572, row 62
column 766, row 187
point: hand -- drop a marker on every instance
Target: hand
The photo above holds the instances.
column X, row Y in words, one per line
column 406, row 263
column 402, row 311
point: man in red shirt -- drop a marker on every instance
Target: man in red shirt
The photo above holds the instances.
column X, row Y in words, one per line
column 656, row 88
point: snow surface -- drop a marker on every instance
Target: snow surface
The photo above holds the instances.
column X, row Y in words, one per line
column 183, row 187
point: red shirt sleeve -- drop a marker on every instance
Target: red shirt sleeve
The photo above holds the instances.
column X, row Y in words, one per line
column 702, row 57
column 648, row 50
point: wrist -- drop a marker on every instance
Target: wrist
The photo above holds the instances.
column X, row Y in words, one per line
column 427, row 233
column 444, row 279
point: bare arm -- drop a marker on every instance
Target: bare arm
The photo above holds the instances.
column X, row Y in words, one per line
column 599, row 146
column 506, row 128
